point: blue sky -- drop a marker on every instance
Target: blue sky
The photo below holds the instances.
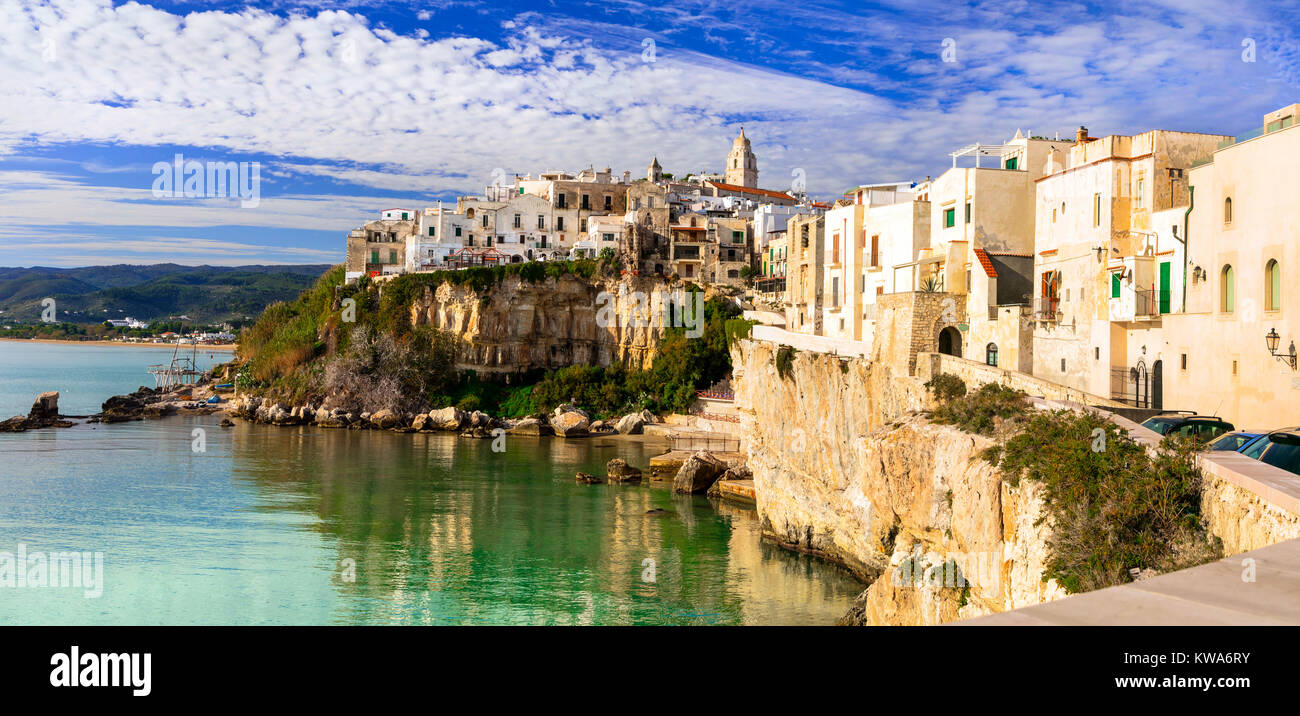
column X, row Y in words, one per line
column 352, row 107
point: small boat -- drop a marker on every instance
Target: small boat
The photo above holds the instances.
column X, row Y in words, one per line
column 214, row 399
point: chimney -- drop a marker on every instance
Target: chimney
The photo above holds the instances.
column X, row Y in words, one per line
column 1081, row 136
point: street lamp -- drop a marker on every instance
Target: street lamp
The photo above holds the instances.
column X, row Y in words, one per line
column 1271, row 340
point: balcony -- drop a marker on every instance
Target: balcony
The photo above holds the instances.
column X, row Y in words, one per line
column 1136, row 304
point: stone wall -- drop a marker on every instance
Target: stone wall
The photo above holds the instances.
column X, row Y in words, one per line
column 976, row 374
column 910, row 323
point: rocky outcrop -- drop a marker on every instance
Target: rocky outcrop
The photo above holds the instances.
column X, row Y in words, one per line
column 43, row 414
column 698, row 473
column 448, row 418
column 519, row 326
column 570, row 424
column 631, row 424
column 617, row 470
column 531, row 426
column 846, row 467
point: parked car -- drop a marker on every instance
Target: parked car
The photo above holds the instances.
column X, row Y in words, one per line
column 1201, row 428
column 1281, row 449
column 1234, row 441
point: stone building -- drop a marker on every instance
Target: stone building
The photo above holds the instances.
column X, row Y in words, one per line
column 1228, row 341
column 1106, row 262
column 378, row 247
column 803, row 289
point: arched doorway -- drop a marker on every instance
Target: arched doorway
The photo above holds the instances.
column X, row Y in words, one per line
column 950, row 341
column 1157, row 390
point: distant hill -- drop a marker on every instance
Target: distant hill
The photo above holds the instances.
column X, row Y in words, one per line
column 207, row 294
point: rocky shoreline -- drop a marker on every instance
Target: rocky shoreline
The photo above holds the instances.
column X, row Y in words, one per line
column 44, row 414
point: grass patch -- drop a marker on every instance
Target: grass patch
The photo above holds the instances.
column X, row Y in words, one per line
column 784, row 360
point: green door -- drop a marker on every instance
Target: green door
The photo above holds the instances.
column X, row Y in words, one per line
column 1164, row 287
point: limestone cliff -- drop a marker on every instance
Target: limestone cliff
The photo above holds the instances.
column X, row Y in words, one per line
column 846, row 467
column 519, row 325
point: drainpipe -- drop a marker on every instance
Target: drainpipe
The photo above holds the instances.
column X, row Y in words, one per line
column 1191, row 204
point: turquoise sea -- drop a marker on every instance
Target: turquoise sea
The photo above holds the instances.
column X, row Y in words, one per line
column 199, row 524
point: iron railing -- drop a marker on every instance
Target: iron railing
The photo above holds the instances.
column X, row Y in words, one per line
column 692, row 442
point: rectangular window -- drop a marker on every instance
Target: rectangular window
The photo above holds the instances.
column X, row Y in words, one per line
column 1096, row 209
column 392, row 256
column 559, row 223
column 607, row 237
column 835, row 248
column 586, row 201
column 949, row 218
column 967, row 212
column 1137, row 200
column 374, row 256
column 485, row 221
column 562, row 200
column 1184, row 361
column 835, row 292
column 1012, row 162
column 541, row 221
column 433, row 231
column 1166, row 283
column 458, row 230
column 1096, row 353
column 737, row 237
column 518, row 219
column 1114, row 285
column 403, row 216
column 875, row 251
column 609, row 202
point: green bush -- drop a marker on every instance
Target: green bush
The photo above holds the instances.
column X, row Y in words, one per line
column 468, row 403
column 1113, row 506
column 946, row 386
column 784, row 360
column 977, row 412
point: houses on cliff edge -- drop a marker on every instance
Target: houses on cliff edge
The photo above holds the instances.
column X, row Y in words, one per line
column 699, row 228
column 1147, row 269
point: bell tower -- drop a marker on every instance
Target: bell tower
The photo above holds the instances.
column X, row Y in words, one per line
column 655, row 173
column 742, row 167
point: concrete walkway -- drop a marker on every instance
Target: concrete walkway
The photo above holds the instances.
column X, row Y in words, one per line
column 1212, row 594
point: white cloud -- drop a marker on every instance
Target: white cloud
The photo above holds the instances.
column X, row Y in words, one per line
column 339, row 97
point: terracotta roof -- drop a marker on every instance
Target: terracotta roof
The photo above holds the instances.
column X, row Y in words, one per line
column 689, row 228
column 749, row 190
column 1009, row 253
column 983, row 256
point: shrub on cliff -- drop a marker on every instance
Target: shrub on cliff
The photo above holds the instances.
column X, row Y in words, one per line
column 381, row 370
column 946, row 386
column 784, row 361
column 981, row 411
column 1113, row 506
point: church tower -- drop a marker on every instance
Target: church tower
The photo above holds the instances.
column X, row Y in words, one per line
column 742, row 167
column 655, row 173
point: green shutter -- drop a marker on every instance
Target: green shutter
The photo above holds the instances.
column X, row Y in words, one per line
column 1164, row 287
column 949, row 218
column 1114, row 285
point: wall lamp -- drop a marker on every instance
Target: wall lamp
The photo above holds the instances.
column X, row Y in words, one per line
column 1271, row 339
column 1198, row 274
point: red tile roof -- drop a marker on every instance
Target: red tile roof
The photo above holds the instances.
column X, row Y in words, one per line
column 983, row 256
column 750, row 190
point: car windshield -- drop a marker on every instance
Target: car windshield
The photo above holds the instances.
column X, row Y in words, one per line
column 1283, row 452
column 1255, row 447
column 1161, row 425
column 1229, row 442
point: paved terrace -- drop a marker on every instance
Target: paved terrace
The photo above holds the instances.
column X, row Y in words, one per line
column 1214, row 594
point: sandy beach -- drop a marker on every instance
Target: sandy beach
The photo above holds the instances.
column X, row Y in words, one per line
column 202, row 347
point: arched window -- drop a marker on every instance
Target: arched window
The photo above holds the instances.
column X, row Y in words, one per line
column 1227, row 210
column 1227, row 290
column 1272, row 286
column 991, row 354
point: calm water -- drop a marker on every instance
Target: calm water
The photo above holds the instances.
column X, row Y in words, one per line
column 262, row 526
column 84, row 375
